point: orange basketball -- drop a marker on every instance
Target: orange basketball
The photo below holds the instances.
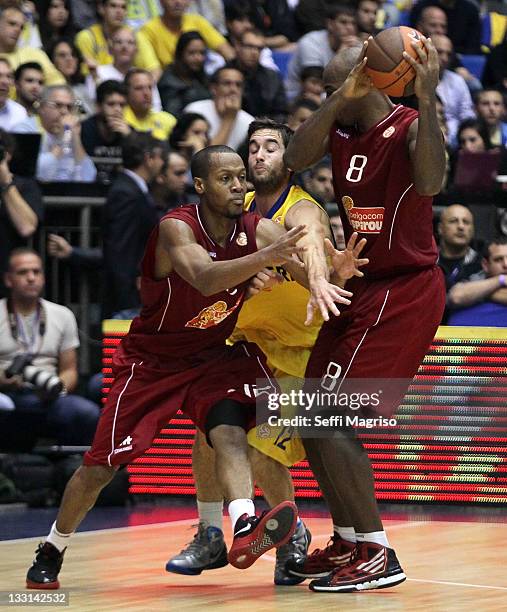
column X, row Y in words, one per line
column 389, row 72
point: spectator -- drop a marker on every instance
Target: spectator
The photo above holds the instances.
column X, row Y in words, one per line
column 211, row 10
column 32, row 326
column 29, row 82
column 300, row 111
column 84, row 13
column 312, row 83
column 495, row 70
column 93, row 42
column 366, row 17
column 140, row 113
column 311, row 15
column 482, row 300
column 463, row 22
column 452, row 89
column 163, row 32
column 336, row 224
column 190, row 135
column 238, row 21
column 55, row 22
column 276, row 21
column 318, row 47
column 67, row 58
column 12, row 21
column 319, row 182
column 129, row 216
column 184, row 81
column 123, row 49
column 61, row 155
column 21, row 208
column 170, row 187
column 263, row 91
column 228, row 122
column 457, row 258
column 102, row 134
column 11, row 113
column 86, row 258
column 490, row 106
column 473, row 136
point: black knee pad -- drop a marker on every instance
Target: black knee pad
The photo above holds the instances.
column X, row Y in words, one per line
column 227, row 412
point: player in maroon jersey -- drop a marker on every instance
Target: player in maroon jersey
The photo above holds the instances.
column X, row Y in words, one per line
column 388, row 161
column 196, row 268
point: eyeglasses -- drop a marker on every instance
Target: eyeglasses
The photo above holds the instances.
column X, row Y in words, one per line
column 70, row 108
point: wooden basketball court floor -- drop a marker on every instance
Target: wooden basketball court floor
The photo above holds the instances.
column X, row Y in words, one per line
column 451, row 566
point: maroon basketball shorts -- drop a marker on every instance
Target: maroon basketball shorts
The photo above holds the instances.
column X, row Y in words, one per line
column 143, row 399
column 383, row 336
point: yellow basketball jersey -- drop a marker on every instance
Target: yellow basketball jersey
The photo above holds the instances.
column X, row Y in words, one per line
column 274, row 319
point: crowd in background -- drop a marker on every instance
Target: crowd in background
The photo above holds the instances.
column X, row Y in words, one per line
column 123, row 92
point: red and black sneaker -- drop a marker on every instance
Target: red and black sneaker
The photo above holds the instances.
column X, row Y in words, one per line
column 373, row 567
column 45, row 568
column 321, row 562
column 253, row 536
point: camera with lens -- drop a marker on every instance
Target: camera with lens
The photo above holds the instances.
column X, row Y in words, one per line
column 40, row 378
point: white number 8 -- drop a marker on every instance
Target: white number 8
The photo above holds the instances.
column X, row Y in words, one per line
column 355, row 173
column 331, row 377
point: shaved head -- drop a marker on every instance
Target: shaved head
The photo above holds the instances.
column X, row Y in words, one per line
column 339, row 67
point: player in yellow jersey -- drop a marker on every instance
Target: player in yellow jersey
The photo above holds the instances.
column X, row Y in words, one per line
column 275, row 320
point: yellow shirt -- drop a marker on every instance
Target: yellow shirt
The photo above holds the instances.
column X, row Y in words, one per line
column 93, row 44
column 164, row 40
column 274, row 319
column 160, row 124
column 52, row 76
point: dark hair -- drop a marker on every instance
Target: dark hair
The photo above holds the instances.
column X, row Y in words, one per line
column 181, row 127
column 311, row 105
column 334, row 10
column 267, row 124
column 201, row 161
column 237, row 11
column 216, row 75
column 109, row 87
column 311, row 71
column 479, row 126
column 7, row 141
column 180, row 68
column 323, row 163
column 136, row 145
column 477, row 94
column 22, row 250
column 49, row 36
column 132, row 73
column 500, row 240
column 78, row 76
column 18, row 73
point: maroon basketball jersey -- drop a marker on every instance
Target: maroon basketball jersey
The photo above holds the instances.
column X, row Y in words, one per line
column 178, row 326
column 374, row 187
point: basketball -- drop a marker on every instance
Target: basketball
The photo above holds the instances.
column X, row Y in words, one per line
column 389, row 72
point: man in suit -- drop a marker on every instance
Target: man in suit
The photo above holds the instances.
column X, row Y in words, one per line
column 129, row 216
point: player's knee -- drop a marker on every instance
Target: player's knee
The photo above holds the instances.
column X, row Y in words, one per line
column 95, row 476
column 228, row 439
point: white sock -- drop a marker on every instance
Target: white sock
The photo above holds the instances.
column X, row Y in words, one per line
column 57, row 539
column 210, row 513
column 238, row 507
column 346, row 533
column 379, row 537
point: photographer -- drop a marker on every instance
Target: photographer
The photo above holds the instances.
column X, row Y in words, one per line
column 21, row 208
column 38, row 342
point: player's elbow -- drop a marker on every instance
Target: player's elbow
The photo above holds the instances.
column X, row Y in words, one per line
column 428, row 187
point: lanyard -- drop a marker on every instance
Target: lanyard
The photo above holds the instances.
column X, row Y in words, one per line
column 19, row 332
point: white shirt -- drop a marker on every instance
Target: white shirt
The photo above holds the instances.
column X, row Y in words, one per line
column 11, row 114
column 313, row 49
column 207, row 109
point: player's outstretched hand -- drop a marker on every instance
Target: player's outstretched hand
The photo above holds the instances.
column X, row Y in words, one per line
column 284, row 249
column 264, row 280
column 358, row 83
column 323, row 297
column 346, row 263
column 426, row 69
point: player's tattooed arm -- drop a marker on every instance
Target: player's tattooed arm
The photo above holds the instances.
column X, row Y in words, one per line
column 425, row 139
column 178, row 250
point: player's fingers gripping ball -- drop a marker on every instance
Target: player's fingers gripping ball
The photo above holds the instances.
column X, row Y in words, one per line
column 387, row 69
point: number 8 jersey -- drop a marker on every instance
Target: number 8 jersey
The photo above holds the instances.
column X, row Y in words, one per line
column 374, row 188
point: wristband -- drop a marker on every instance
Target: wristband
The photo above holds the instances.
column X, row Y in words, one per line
column 502, row 280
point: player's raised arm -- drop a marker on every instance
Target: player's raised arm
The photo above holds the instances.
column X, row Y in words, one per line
column 425, row 141
column 310, row 142
column 178, row 250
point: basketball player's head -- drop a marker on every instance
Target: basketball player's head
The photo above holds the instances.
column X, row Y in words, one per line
column 267, row 142
column 334, row 76
column 220, row 180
